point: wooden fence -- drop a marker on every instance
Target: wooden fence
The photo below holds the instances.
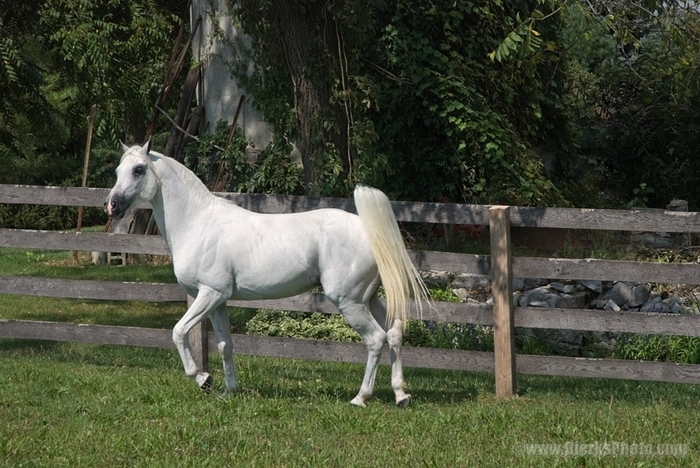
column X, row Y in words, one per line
column 501, row 267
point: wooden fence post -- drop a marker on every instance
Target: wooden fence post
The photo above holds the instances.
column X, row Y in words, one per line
column 502, row 292
column 199, row 342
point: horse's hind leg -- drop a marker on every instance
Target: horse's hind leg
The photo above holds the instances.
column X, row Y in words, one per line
column 220, row 324
column 206, row 301
column 374, row 336
column 394, row 337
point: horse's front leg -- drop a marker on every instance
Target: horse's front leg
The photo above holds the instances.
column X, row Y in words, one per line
column 221, row 326
column 206, row 301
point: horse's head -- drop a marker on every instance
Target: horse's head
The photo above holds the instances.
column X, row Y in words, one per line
column 136, row 181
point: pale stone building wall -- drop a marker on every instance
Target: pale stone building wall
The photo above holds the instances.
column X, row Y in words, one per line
column 214, row 46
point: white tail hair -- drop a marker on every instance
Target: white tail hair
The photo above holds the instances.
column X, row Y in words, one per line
column 399, row 276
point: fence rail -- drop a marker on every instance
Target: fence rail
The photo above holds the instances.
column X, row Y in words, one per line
column 504, row 363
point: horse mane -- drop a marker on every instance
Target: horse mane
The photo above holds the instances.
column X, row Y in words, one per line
column 181, row 171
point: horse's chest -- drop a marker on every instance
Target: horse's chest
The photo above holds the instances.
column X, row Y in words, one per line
column 195, row 266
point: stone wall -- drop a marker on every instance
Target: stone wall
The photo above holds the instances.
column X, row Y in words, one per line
column 590, row 294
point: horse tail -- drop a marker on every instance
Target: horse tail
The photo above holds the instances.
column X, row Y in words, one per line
column 399, row 276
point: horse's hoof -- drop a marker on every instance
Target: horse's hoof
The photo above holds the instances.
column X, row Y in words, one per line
column 207, row 383
column 357, row 401
column 403, row 403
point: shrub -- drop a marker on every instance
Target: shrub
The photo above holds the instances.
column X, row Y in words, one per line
column 664, row 348
column 445, row 335
column 301, row 325
column 334, row 327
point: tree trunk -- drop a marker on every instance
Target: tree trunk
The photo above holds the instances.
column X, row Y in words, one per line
column 296, row 31
column 306, row 37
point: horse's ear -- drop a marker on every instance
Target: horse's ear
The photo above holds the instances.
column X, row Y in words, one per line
column 124, row 145
column 146, row 148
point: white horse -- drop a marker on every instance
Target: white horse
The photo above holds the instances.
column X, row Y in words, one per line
column 223, row 251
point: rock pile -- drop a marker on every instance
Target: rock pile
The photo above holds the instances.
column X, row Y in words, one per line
column 583, row 294
column 604, row 295
column 540, row 292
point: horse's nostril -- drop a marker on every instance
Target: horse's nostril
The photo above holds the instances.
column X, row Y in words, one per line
column 113, row 204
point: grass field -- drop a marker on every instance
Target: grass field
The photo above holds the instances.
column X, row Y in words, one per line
column 75, row 405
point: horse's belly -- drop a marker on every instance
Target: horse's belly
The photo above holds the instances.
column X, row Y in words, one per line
column 272, row 284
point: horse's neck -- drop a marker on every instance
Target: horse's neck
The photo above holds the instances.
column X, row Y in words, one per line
column 180, row 201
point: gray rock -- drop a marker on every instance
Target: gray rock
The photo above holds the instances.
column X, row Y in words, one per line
column 538, row 297
column 624, row 294
column 563, row 287
column 653, row 240
column 521, row 284
column 611, row 305
column 462, row 293
column 640, row 294
column 653, row 305
column 594, row 285
column 671, row 301
column 471, row 282
column 672, row 305
column 574, row 337
column 571, row 301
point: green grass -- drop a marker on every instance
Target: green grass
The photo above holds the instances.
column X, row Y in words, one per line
column 60, row 264
column 76, row 405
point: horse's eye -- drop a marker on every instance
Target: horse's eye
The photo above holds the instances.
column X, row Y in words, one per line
column 139, row 170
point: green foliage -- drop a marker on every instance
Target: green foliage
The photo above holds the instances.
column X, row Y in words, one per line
column 633, row 91
column 41, row 217
column 524, row 40
column 471, row 122
column 230, row 169
column 444, row 335
column 681, row 349
column 460, row 101
column 60, row 58
column 114, row 54
column 535, row 343
column 432, row 117
column 335, row 327
column 301, row 325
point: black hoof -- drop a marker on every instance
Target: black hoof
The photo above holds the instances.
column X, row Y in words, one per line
column 208, row 385
column 404, row 403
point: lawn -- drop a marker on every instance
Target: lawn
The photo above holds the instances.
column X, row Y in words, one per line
column 75, row 405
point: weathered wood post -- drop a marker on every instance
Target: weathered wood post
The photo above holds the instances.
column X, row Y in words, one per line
column 199, row 342
column 502, row 291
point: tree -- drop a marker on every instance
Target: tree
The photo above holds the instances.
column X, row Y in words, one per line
column 60, row 58
column 30, row 130
column 410, row 88
column 305, row 37
column 649, row 87
column 632, row 93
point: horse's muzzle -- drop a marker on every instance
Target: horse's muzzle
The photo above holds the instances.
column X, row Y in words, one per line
column 114, row 207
